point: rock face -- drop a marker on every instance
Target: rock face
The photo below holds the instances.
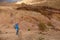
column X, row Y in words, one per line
column 51, row 3
column 31, row 1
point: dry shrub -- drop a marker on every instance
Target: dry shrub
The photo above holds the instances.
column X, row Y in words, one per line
column 42, row 26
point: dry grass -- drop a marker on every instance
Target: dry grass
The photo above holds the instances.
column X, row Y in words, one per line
column 49, row 24
column 41, row 38
column 42, row 26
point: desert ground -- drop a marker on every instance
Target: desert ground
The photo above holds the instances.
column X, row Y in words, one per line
column 35, row 22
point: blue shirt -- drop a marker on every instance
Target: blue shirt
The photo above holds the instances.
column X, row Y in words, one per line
column 16, row 26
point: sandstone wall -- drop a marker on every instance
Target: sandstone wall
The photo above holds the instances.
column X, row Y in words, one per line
column 51, row 3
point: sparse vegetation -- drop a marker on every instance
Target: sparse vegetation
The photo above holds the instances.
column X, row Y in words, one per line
column 28, row 29
column 28, row 17
column 42, row 26
column 41, row 38
column 49, row 24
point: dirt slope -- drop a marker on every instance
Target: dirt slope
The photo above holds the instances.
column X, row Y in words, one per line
column 34, row 23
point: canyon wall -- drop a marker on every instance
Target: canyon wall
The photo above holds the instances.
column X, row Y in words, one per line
column 51, row 3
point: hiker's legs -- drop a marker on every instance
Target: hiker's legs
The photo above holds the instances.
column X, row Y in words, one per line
column 16, row 32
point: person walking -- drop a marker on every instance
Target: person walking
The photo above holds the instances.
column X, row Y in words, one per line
column 17, row 28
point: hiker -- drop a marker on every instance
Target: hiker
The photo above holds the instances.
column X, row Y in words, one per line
column 17, row 28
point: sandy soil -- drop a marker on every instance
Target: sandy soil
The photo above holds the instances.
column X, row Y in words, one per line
column 29, row 22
